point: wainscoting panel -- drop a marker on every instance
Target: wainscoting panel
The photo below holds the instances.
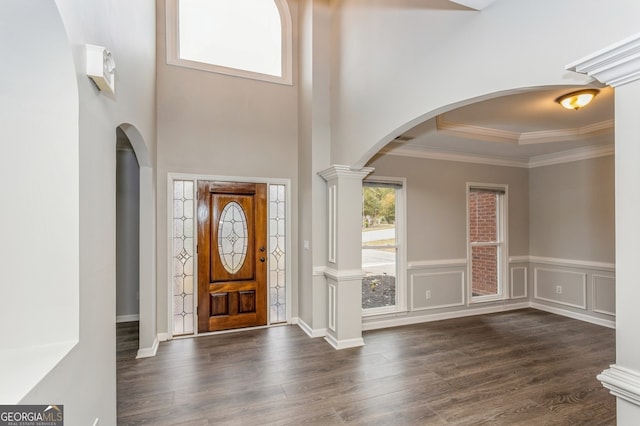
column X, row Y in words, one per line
column 518, row 282
column 432, row 290
column 559, row 286
column 604, row 294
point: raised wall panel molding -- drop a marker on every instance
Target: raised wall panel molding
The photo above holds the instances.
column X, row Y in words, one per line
column 614, row 65
column 439, row 263
column 572, row 263
column 583, row 305
column 445, row 305
column 622, row 382
column 596, row 293
column 524, row 295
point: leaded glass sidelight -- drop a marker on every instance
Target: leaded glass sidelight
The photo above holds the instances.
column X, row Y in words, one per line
column 232, row 237
column 183, row 256
column 277, row 247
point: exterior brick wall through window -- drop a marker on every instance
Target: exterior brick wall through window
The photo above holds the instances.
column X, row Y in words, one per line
column 483, row 228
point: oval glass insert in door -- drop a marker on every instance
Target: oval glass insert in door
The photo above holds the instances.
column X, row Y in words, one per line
column 232, row 237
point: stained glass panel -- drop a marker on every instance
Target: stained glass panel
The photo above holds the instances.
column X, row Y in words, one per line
column 277, row 247
column 232, row 237
column 183, row 256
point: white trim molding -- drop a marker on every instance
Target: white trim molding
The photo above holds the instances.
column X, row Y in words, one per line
column 127, row 318
column 446, row 305
column 622, row 382
column 396, row 320
column 345, row 343
column 561, row 302
column 574, row 315
column 149, row 352
column 571, row 263
column 521, row 138
column 313, row 333
column 595, row 293
column 439, row 263
column 615, row 65
column 526, row 284
column 344, row 274
column 338, row 171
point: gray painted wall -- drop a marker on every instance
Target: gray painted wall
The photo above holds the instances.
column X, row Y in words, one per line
column 127, row 232
column 214, row 124
column 572, row 210
column 436, row 204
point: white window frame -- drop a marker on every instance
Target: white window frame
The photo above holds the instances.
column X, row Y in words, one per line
column 173, row 48
column 171, row 177
column 401, row 248
column 502, row 218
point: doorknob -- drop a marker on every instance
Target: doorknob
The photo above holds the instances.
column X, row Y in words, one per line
column 262, row 258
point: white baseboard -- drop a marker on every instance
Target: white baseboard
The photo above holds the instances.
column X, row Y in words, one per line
column 149, row 352
column 344, row 344
column 163, row 337
column 622, row 382
column 574, row 315
column 408, row 320
column 294, row 320
column 320, row 332
column 127, row 318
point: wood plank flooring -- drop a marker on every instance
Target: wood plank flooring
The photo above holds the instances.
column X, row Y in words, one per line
column 522, row 367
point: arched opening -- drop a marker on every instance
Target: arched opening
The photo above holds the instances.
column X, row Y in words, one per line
column 147, row 336
column 127, row 234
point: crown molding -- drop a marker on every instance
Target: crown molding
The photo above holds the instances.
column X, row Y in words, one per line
column 434, row 154
column 525, row 138
column 538, row 161
column 572, row 155
column 469, row 131
column 615, row 65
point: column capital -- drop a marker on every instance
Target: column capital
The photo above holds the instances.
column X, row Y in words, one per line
column 622, row 382
column 337, row 171
column 614, row 65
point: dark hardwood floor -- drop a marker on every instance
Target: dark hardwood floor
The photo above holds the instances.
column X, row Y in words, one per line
column 522, row 367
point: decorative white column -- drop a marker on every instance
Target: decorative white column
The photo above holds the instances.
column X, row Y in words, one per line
column 344, row 256
column 619, row 66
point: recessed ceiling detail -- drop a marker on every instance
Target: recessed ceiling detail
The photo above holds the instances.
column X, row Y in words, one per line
column 473, row 132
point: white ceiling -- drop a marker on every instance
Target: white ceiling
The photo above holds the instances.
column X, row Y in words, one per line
column 524, row 130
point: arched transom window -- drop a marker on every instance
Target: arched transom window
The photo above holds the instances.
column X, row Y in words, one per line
column 245, row 38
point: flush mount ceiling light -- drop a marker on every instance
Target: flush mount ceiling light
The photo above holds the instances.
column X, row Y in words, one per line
column 576, row 100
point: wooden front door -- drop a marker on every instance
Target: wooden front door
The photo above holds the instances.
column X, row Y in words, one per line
column 232, row 255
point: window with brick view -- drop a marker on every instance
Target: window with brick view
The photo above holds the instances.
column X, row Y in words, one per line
column 485, row 240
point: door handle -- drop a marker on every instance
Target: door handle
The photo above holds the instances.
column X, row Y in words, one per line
column 262, row 258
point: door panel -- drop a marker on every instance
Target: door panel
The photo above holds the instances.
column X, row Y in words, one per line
column 232, row 267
